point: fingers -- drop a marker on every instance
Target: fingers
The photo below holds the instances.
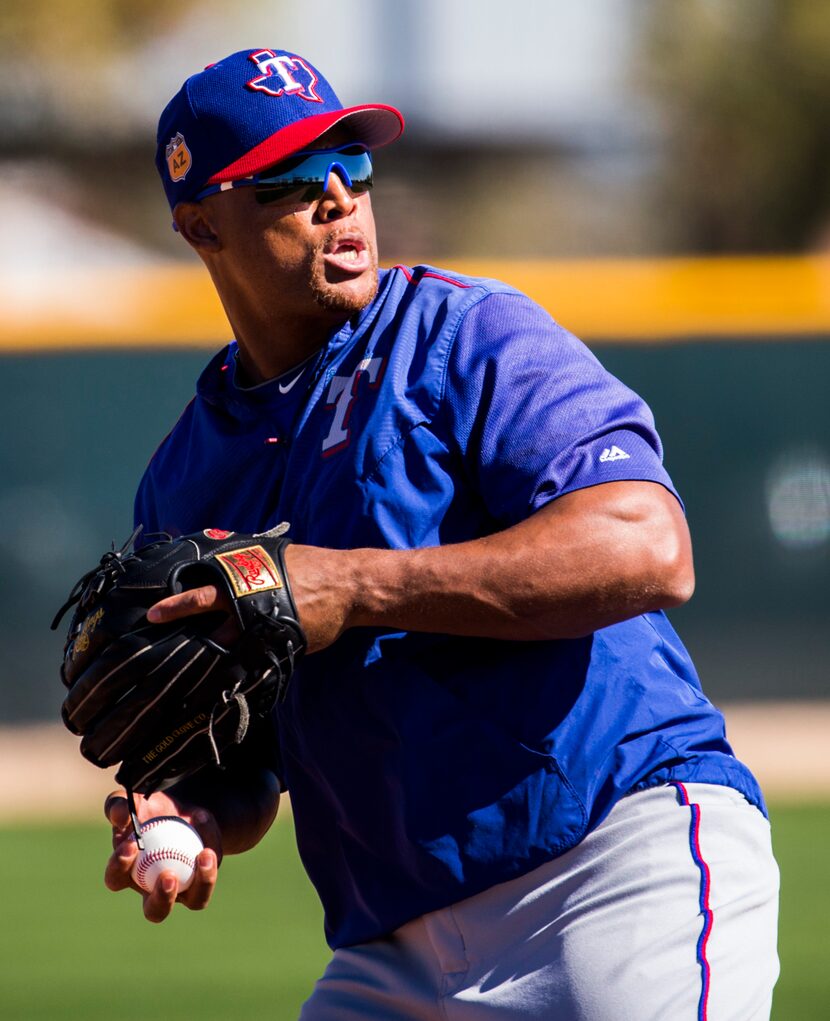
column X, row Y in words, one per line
column 119, row 866
column 159, row 903
column 197, row 896
column 165, row 894
column 185, row 604
column 116, row 810
column 124, row 847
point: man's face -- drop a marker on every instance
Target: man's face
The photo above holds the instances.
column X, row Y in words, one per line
column 294, row 258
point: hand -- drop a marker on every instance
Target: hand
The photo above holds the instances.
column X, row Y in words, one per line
column 204, row 599
column 321, row 584
column 165, row 894
column 324, row 586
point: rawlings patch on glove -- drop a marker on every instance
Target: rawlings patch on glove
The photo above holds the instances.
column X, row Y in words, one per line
column 164, row 700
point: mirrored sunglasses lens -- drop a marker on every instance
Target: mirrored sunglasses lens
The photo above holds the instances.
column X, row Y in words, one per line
column 357, row 168
column 310, row 172
column 265, row 193
column 297, row 170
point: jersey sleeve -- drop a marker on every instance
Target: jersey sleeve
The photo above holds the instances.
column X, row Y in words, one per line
column 534, row 413
column 144, row 509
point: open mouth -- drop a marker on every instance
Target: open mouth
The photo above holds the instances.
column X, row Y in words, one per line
column 348, row 252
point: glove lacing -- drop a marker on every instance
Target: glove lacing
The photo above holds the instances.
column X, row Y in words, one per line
column 111, row 564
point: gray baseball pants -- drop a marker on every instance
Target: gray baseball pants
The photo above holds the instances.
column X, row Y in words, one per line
column 666, row 912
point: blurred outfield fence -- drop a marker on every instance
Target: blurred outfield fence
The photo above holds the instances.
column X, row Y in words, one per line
column 733, row 356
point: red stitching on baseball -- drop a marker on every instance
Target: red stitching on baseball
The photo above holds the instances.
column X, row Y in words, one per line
column 163, row 854
column 157, row 821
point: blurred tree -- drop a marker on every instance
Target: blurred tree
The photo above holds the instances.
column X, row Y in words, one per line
column 58, row 60
column 72, row 31
column 744, row 90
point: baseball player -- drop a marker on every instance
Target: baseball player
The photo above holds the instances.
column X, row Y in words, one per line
column 509, row 789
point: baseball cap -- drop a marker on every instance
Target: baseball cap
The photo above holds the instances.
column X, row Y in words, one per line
column 249, row 111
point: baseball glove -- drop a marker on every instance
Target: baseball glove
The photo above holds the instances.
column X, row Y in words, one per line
column 164, row 700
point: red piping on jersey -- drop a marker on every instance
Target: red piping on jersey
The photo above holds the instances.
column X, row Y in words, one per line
column 435, row 276
column 705, row 908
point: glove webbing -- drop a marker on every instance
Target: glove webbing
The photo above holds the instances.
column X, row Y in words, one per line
column 110, row 563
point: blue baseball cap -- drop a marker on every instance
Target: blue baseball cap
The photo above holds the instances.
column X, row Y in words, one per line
column 250, row 110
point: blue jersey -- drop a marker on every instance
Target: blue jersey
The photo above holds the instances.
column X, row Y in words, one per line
column 425, row 768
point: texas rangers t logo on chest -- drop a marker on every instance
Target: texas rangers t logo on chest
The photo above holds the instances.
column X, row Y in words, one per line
column 283, row 76
column 343, row 392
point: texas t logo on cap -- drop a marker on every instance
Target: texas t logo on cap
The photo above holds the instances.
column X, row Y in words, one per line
column 249, row 111
column 282, row 75
column 178, row 156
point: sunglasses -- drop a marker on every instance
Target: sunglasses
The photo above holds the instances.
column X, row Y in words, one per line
column 307, row 173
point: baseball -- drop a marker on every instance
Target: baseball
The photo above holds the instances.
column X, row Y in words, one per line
column 169, row 844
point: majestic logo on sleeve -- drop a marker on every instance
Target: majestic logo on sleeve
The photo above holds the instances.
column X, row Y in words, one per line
column 179, row 160
column 613, row 454
column 283, row 76
column 343, row 392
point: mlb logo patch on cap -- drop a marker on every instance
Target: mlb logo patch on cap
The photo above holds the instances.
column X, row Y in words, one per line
column 179, row 160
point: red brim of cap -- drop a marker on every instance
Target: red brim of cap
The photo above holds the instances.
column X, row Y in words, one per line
column 374, row 125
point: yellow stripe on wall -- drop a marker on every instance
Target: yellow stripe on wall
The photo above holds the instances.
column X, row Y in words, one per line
column 669, row 299
column 649, row 300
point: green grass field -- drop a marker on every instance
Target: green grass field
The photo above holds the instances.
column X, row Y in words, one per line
column 69, row 950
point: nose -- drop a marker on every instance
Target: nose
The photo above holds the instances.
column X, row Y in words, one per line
column 337, row 201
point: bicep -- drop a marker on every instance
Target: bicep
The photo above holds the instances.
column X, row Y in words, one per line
column 630, row 529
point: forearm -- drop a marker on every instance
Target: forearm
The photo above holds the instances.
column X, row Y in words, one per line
column 584, row 562
column 589, row 559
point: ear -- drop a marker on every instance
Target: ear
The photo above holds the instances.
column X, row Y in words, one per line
column 195, row 225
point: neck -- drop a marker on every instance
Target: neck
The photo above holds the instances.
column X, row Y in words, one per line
column 275, row 347
column 270, row 345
